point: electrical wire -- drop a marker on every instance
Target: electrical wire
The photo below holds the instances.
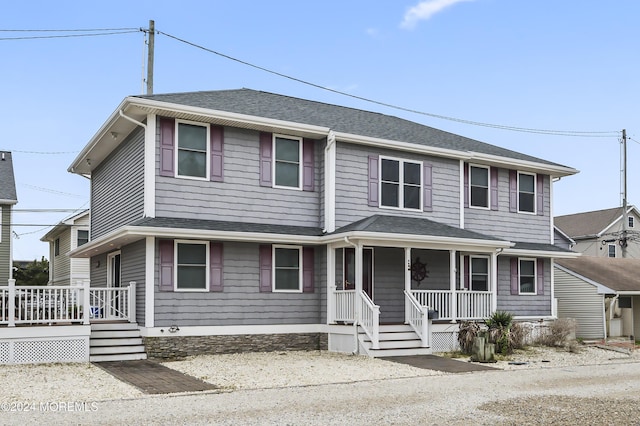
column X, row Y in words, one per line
column 51, row 191
column 41, row 152
column 68, row 35
column 575, row 133
column 69, row 31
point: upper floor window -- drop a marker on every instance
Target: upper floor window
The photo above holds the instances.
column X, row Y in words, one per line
column 612, row 250
column 479, row 274
column 192, row 149
column 479, row 186
column 287, row 268
column 192, row 272
column 56, row 247
column 527, row 276
column 631, row 222
column 526, row 192
column 400, row 183
column 83, row 237
column 287, row 160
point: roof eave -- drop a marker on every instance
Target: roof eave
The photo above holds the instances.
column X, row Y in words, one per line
column 540, row 253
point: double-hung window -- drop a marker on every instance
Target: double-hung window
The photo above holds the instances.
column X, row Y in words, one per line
column 611, row 250
column 631, row 222
column 192, row 149
column 479, row 273
column 192, row 272
column 287, row 269
column 527, row 276
column 479, row 186
column 287, row 160
column 83, row 237
column 400, row 183
column 526, row 192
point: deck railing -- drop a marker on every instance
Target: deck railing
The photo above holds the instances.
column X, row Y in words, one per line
column 418, row 317
column 369, row 319
column 469, row 304
column 344, row 303
column 112, row 303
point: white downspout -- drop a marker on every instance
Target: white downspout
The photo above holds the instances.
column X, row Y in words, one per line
column 330, row 183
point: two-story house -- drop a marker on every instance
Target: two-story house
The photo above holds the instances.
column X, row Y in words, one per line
column 68, row 235
column 8, row 199
column 255, row 221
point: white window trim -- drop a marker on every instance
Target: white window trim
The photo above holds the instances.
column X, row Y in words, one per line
column 535, row 276
column 207, row 173
column 631, row 222
column 535, row 192
column 110, row 258
column 300, row 159
column 76, row 236
column 471, row 272
column 175, row 267
column 273, row 268
column 615, row 251
column 488, row 187
column 401, row 162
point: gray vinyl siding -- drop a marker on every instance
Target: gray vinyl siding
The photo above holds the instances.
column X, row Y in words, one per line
column 352, row 183
column 241, row 302
column 240, row 197
column 635, row 303
column 580, row 300
column 560, row 240
column 388, row 283
column 62, row 262
column 522, row 305
column 132, row 269
column 5, row 244
column 437, row 264
column 98, row 270
column 525, row 227
column 117, row 187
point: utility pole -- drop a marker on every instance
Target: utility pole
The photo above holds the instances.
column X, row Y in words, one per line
column 625, row 214
column 152, row 35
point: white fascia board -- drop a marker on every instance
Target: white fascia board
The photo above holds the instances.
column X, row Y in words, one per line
column 524, row 165
column 12, row 202
column 601, row 289
column 571, row 240
column 231, row 330
column 628, row 293
column 540, row 253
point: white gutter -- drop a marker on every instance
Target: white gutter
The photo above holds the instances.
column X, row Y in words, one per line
column 540, row 253
column 126, row 117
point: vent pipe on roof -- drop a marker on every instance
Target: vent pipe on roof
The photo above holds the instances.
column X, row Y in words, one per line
column 3, row 156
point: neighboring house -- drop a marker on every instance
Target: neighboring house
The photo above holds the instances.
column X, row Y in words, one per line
column 600, row 233
column 8, row 199
column 587, row 287
column 68, row 235
column 255, row 221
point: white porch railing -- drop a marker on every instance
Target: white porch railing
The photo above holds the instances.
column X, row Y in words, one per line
column 369, row 319
column 418, row 317
column 469, row 304
column 113, row 303
column 344, row 303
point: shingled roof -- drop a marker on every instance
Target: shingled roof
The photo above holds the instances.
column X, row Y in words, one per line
column 587, row 224
column 7, row 179
column 338, row 118
column 616, row 273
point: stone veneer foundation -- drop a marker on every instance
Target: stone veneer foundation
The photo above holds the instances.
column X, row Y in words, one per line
column 175, row 347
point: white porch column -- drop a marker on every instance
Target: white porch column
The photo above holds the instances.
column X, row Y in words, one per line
column 12, row 302
column 331, row 284
column 452, row 285
column 149, row 282
column 86, row 302
column 494, row 281
column 358, row 272
column 407, row 282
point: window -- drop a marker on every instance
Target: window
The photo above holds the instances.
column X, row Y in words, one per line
column 612, row 250
column 400, row 184
column 527, row 276
column 479, row 186
column 193, row 155
column 56, row 247
column 192, row 272
column 479, row 274
column 287, row 271
column 83, row 237
column 631, row 222
column 286, row 162
column 526, row 192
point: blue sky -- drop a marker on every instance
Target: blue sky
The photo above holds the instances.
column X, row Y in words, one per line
column 542, row 64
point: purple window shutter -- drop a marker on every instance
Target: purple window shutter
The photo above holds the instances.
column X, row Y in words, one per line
column 515, row 285
column 308, row 169
column 265, row 268
column 540, row 276
column 373, row 181
column 540, row 194
column 466, row 184
column 266, row 143
column 166, row 265
column 167, row 142
column 215, row 267
column 513, row 191
column 467, row 278
column 494, row 188
column 217, row 154
column 427, row 179
column 307, row 270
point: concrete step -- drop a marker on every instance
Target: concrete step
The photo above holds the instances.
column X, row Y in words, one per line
column 102, row 326
column 117, row 357
column 108, row 334
column 396, row 344
column 378, row 353
column 104, row 350
column 116, row 342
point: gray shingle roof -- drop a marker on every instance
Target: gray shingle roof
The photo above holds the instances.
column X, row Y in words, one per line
column 337, row 118
column 587, row 223
column 616, row 273
column 538, row 246
column 7, row 179
column 218, row 225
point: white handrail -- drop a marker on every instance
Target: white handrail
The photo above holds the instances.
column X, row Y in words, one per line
column 369, row 319
column 344, row 305
column 418, row 318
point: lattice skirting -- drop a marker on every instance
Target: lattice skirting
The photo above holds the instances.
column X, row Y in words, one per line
column 444, row 341
column 44, row 350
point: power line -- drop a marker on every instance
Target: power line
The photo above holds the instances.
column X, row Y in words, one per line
column 52, row 191
column 69, row 31
column 45, row 210
column 41, row 152
column 575, row 133
column 68, row 35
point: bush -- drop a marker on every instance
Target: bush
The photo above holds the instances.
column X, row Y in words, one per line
column 557, row 333
column 502, row 332
column 468, row 331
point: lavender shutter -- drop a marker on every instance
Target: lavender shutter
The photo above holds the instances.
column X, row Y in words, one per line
column 373, row 181
column 266, row 142
column 466, row 273
column 466, row 184
column 166, row 265
column 427, row 183
column 540, row 194
column 515, row 285
column 513, row 191
column 215, row 267
column 217, row 154
column 540, row 276
column 494, row 188
column 167, row 143
column 265, row 268
column 308, row 175
column 307, row 270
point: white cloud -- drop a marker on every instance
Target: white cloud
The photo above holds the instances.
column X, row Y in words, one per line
column 425, row 10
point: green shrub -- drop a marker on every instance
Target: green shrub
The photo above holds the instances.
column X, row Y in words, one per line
column 468, row 331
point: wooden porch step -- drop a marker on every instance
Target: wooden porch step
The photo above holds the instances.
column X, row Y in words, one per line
column 109, row 334
column 379, row 353
column 115, row 341
column 120, row 325
column 109, row 350
column 118, row 357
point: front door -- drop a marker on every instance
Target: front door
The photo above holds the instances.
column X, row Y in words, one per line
column 113, row 302
column 367, row 270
